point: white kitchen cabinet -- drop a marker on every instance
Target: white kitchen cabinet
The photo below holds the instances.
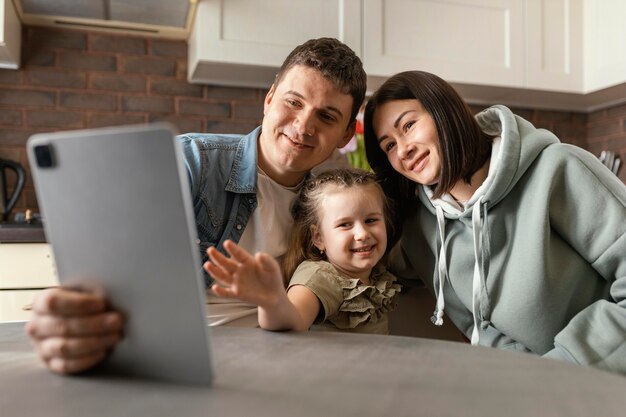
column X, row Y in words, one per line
column 26, row 265
column 243, row 42
column 16, row 305
column 25, row 269
column 10, row 36
column 554, row 44
column 604, row 44
column 554, row 54
column 468, row 41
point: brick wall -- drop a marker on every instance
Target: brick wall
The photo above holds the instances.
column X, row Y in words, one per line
column 606, row 130
column 74, row 79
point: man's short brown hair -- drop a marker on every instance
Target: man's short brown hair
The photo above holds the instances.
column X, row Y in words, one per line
column 336, row 62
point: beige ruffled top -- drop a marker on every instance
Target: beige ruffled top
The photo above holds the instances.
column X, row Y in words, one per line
column 347, row 303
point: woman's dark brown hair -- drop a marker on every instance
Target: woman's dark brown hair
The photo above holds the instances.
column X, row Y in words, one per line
column 463, row 146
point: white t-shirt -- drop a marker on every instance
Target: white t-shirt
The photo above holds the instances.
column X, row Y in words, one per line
column 269, row 226
column 268, row 230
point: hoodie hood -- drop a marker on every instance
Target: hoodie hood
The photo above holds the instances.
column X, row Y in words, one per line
column 510, row 158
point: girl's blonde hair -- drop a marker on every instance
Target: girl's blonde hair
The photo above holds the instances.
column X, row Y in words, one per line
column 306, row 212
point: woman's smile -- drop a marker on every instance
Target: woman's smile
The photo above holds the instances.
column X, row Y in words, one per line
column 418, row 164
column 407, row 134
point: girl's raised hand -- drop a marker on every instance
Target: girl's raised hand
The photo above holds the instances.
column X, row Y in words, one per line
column 254, row 279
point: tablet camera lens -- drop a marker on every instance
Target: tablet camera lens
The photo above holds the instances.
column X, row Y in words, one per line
column 43, row 155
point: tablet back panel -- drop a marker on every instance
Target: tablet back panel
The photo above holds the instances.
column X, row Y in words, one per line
column 118, row 215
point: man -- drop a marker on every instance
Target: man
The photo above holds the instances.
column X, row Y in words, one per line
column 242, row 188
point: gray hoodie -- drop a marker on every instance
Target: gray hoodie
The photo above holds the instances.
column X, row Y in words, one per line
column 536, row 259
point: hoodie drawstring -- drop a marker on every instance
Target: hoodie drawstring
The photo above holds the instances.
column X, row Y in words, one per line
column 442, row 267
column 476, row 280
column 479, row 295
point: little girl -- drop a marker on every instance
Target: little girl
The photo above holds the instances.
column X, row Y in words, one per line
column 337, row 281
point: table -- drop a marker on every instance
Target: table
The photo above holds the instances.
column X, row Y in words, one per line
column 261, row 373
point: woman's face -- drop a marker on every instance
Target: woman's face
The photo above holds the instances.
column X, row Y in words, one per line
column 408, row 136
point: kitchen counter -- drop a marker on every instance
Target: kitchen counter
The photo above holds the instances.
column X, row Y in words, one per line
column 22, row 233
column 277, row 374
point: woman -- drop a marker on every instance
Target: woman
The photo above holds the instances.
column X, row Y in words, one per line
column 522, row 237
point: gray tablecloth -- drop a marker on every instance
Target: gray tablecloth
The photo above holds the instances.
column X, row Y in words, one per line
column 261, row 373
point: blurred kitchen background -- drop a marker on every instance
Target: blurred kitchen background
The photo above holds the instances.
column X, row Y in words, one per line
column 205, row 65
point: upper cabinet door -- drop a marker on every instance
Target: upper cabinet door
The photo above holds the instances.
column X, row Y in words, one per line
column 10, row 36
column 555, row 45
column 604, row 44
column 464, row 41
column 258, row 36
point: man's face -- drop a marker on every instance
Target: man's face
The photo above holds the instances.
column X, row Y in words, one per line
column 306, row 118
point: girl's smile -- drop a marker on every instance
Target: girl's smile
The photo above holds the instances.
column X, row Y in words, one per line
column 352, row 229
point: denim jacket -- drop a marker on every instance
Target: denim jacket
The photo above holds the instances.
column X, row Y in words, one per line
column 222, row 173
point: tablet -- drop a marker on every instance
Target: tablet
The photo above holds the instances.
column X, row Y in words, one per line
column 118, row 215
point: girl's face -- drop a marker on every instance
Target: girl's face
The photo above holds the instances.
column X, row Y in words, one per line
column 408, row 135
column 352, row 229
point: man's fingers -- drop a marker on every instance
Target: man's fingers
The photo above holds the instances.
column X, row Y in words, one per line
column 75, row 365
column 45, row 326
column 65, row 302
column 75, row 348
